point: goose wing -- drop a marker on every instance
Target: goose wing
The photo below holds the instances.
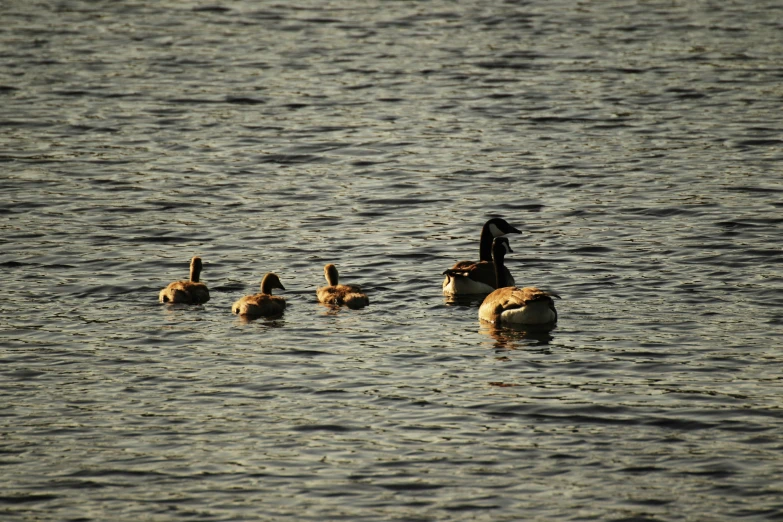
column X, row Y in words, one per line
column 483, row 271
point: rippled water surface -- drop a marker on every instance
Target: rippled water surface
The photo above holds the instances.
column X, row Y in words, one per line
column 637, row 145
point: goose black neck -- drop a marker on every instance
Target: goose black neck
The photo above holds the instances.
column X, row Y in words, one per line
column 485, row 244
column 498, row 256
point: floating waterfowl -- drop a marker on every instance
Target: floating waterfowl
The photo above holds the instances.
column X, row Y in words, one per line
column 468, row 277
column 263, row 304
column 337, row 294
column 187, row 292
column 512, row 305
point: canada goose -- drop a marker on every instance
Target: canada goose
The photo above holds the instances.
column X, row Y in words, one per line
column 512, row 305
column 468, row 277
column 336, row 294
column 263, row 304
column 188, row 292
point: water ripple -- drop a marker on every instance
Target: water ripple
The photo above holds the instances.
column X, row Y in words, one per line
column 636, row 147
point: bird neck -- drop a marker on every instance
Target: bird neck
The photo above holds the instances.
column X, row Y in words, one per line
column 331, row 276
column 485, row 244
column 195, row 273
column 500, row 272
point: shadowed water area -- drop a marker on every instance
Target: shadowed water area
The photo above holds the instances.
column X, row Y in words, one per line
column 638, row 146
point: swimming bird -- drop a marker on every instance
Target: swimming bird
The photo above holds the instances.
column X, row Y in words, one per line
column 263, row 304
column 468, row 277
column 188, row 292
column 336, row 294
column 512, row 305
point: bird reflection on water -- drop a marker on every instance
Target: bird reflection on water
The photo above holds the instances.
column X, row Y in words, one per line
column 330, row 309
column 276, row 321
column 517, row 337
column 466, row 300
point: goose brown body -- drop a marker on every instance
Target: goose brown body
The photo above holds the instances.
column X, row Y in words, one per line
column 512, row 305
column 263, row 304
column 337, row 294
column 187, row 292
column 529, row 305
column 478, row 277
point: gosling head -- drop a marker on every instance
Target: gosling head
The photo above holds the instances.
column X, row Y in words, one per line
column 269, row 282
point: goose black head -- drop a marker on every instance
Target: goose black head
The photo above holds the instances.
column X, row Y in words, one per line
column 501, row 247
column 500, row 227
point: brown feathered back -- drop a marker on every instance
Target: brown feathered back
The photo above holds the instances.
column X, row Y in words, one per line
column 527, row 305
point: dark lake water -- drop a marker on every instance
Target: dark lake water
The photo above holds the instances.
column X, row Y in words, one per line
column 637, row 145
